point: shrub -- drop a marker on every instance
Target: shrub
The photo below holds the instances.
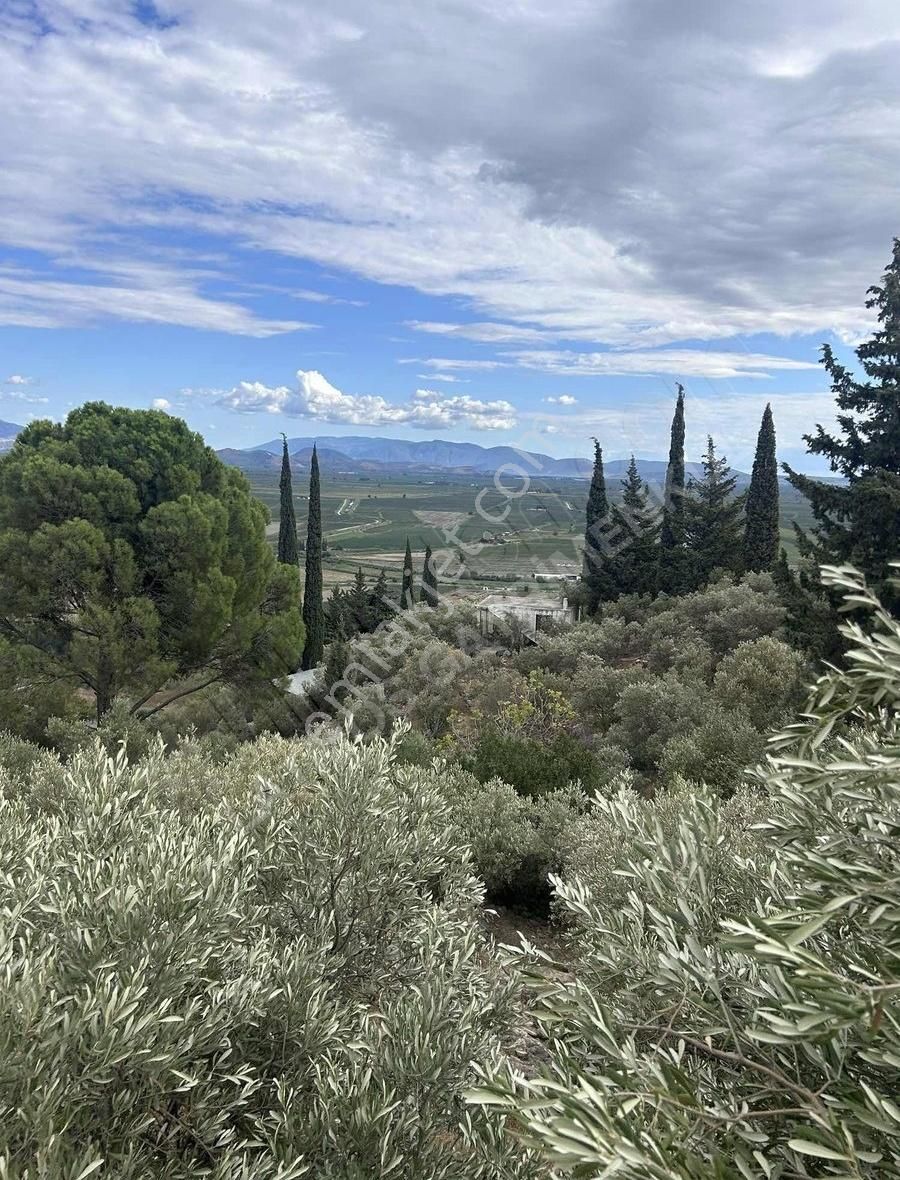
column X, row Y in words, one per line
column 267, row 967
column 748, row 1031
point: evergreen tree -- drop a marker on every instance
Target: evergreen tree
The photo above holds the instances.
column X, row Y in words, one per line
column 336, row 610
column 430, row 595
column 761, row 512
column 712, row 520
column 313, row 609
column 358, row 611
column 634, row 569
column 673, row 574
column 407, row 591
column 287, row 521
column 858, row 520
column 597, row 585
column 381, row 603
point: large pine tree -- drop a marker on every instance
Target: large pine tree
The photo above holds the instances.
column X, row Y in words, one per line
column 712, row 520
column 313, row 607
column 597, row 585
column 674, row 567
column 287, row 521
column 761, row 511
column 634, row 569
column 407, row 590
column 430, row 595
column 858, row 519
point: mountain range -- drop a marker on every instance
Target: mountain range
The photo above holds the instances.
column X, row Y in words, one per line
column 362, row 454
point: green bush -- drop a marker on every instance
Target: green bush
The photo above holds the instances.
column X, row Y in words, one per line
column 735, row 1009
column 269, row 967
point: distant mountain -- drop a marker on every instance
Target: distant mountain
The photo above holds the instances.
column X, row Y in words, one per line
column 437, row 454
column 360, row 453
column 8, row 432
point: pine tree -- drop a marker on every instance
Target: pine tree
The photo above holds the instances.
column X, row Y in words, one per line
column 287, row 521
column 635, row 566
column 358, row 611
column 712, row 520
column 313, row 608
column 761, row 511
column 673, row 574
column 381, row 604
column 430, row 594
column 407, row 591
column 336, row 615
column 597, row 585
column 858, row 520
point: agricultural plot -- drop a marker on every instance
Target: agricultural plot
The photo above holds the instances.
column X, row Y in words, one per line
column 511, row 535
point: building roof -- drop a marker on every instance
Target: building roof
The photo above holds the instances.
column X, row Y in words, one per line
column 523, row 600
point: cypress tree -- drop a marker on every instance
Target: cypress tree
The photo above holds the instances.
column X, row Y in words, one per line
column 858, row 519
column 761, row 519
column 596, row 582
column 712, row 519
column 313, row 608
column 673, row 576
column 634, row 570
column 407, row 592
column 287, row 521
column 430, row 595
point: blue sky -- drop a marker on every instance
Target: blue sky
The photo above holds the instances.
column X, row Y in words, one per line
column 504, row 224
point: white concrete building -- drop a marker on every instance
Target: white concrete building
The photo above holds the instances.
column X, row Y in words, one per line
column 532, row 613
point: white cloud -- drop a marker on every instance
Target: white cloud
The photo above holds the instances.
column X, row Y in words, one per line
column 447, row 378
column 550, row 429
column 681, row 362
column 18, row 379
column 153, row 295
column 161, row 403
column 483, row 333
column 564, row 399
column 545, row 189
column 315, row 397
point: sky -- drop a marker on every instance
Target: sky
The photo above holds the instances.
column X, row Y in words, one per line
column 499, row 221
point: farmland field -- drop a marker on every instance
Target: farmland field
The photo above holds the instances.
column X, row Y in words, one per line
column 511, row 535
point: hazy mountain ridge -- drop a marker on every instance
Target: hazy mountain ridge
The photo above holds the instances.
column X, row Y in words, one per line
column 363, row 453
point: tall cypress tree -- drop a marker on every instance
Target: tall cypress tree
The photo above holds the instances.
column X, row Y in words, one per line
column 761, row 520
column 287, row 521
column 595, row 577
column 430, row 595
column 635, row 566
column 407, row 591
column 673, row 576
column 313, row 607
column 712, row 519
column 858, row 519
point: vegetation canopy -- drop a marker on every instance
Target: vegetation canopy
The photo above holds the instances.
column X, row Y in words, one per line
column 131, row 556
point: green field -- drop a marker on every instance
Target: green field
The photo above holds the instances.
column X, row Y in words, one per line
column 538, row 529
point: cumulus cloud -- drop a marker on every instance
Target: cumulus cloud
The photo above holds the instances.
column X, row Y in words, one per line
column 564, row 399
column 654, row 174
column 315, row 397
column 161, row 403
column 18, row 379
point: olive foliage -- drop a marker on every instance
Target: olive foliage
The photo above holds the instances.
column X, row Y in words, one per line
column 734, row 1008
